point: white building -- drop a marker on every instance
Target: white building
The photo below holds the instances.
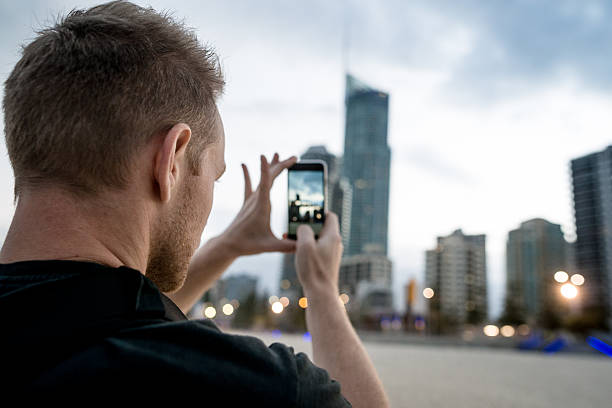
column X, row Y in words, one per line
column 456, row 271
column 365, row 274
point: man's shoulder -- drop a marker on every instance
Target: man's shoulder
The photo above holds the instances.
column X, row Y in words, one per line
column 190, row 355
column 192, row 342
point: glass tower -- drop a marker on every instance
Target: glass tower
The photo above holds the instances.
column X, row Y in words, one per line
column 534, row 252
column 366, row 166
column 592, row 185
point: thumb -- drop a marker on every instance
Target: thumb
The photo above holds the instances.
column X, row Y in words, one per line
column 281, row 245
column 305, row 236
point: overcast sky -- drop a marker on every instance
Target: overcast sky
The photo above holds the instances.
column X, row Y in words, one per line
column 308, row 184
column 489, row 100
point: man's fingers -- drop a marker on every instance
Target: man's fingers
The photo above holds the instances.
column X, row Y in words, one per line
column 247, row 182
column 264, row 182
column 280, row 166
column 269, row 171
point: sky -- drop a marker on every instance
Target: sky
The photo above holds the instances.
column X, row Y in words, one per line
column 308, row 184
column 489, row 101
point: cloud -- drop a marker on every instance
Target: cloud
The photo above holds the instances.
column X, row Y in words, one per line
column 492, row 49
column 428, row 160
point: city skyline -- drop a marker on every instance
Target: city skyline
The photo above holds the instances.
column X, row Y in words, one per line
column 480, row 114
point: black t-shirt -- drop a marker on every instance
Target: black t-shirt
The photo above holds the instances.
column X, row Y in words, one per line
column 72, row 325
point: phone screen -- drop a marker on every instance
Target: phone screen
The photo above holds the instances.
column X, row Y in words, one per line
column 306, row 196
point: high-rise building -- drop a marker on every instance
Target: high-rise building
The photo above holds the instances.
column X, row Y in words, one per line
column 592, row 189
column 366, row 165
column 366, row 278
column 456, row 271
column 373, row 268
column 338, row 201
column 534, row 252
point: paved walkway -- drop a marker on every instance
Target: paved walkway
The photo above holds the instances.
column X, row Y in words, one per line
column 438, row 376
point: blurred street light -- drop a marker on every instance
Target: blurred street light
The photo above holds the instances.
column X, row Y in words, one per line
column 210, row 312
column 561, row 276
column 507, row 331
column 569, row 291
column 490, row 330
column 303, row 302
column 228, row 309
column 277, row 307
column 577, row 279
column 428, row 293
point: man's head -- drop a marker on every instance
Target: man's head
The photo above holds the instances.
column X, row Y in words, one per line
column 107, row 91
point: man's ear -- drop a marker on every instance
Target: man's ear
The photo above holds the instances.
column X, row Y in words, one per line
column 169, row 159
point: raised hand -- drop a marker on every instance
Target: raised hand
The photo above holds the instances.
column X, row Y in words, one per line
column 250, row 232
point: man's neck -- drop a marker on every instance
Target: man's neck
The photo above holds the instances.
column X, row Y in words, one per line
column 51, row 225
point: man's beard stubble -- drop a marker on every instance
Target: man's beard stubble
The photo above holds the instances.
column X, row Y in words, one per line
column 172, row 245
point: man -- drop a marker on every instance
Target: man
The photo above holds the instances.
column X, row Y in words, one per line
column 115, row 141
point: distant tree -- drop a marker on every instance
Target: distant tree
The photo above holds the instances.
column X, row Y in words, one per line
column 549, row 319
column 591, row 318
column 514, row 312
column 245, row 314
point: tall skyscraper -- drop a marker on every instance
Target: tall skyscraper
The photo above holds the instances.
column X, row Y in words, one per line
column 338, row 201
column 534, row 252
column 456, row 271
column 592, row 188
column 366, row 166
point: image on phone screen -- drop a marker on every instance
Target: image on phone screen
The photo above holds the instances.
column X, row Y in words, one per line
column 306, row 197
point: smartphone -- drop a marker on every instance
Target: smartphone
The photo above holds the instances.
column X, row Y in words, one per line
column 307, row 195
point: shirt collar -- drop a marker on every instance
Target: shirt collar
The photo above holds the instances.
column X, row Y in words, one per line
column 78, row 295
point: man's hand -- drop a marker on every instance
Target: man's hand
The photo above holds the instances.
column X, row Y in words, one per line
column 318, row 262
column 250, row 231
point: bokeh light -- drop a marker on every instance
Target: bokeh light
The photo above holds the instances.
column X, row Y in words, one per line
column 277, row 307
column 284, row 301
column 210, row 312
column 303, row 302
column 561, row 276
column 344, row 298
column 577, row 279
column 285, row 284
column 228, row 309
column 507, row 331
column 490, row 330
column 569, row 291
column 272, row 299
column 523, row 330
column 428, row 293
